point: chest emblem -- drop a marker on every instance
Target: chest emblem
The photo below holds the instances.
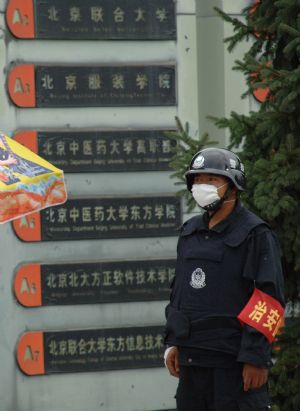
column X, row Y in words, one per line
column 198, row 278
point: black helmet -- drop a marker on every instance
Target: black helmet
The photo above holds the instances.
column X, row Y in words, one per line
column 219, row 161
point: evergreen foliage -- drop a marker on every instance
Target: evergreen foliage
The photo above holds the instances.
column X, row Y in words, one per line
column 270, row 142
column 183, row 151
column 285, row 377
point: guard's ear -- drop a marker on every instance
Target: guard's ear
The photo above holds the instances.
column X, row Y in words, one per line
column 235, row 191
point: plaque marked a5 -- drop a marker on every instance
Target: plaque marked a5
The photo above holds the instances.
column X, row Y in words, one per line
column 99, row 282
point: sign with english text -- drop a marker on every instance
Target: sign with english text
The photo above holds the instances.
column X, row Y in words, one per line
column 102, row 151
column 38, row 285
column 40, row 353
column 103, row 218
column 92, row 86
column 92, row 19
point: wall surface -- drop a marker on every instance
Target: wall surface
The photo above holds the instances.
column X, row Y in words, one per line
column 220, row 87
column 206, row 85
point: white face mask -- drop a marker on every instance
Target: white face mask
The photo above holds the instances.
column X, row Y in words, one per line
column 205, row 194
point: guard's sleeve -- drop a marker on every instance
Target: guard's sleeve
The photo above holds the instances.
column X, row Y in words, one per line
column 177, row 323
column 172, row 284
column 168, row 336
column 263, row 266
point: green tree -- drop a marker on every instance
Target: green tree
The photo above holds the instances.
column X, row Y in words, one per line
column 270, row 142
column 183, row 151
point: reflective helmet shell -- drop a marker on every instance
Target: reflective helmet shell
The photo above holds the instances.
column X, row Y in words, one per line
column 219, row 161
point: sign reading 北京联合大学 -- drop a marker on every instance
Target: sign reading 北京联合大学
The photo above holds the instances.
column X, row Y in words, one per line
column 92, row 19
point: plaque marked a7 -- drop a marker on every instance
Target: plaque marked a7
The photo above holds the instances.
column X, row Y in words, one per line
column 52, row 352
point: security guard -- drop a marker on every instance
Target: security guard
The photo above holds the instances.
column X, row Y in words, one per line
column 226, row 303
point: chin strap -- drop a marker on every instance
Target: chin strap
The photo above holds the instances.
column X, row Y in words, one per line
column 217, row 205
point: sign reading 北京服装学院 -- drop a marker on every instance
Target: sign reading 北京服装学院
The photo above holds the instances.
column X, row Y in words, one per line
column 92, row 86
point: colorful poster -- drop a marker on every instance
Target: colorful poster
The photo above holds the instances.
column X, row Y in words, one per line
column 27, row 182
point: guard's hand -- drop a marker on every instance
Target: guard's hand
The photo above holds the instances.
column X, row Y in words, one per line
column 254, row 377
column 172, row 362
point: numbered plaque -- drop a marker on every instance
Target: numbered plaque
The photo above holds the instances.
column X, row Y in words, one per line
column 92, row 19
column 103, row 218
column 92, row 86
column 41, row 352
column 93, row 283
column 102, row 151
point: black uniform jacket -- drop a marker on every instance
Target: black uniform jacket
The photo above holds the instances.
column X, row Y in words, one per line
column 217, row 270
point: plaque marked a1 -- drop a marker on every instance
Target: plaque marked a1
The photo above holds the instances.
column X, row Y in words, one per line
column 40, row 352
column 92, row 19
column 93, row 283
column 92, row 86
column 103, row 218
column 101, row 151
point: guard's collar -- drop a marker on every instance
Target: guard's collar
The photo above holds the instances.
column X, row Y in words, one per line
column 200, row 222
column 222, row 225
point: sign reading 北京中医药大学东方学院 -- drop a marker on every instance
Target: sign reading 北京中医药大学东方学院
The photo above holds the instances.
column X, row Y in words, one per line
column 104, row 218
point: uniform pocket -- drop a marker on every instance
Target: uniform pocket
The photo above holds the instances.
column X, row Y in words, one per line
column 255, row 400
column 178, row 323
column 202, row 273
column 206, row 253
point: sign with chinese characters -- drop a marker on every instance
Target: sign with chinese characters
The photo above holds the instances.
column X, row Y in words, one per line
column 103, row 218
column 41, row 352
column 92, row 283
column 92, row 86
column 92, row 19
column 102, row 151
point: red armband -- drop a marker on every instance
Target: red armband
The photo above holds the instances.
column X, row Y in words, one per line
column 263, row 313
